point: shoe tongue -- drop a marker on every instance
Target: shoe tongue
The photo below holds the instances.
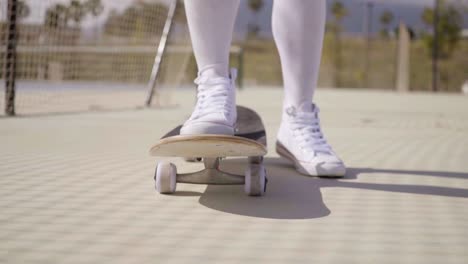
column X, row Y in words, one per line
column 294, row 111
column 306, row 107
column 214, row 73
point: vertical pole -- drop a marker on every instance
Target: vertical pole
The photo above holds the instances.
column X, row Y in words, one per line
column 435, row 48
column 240, row 76
column 368, row 25
column 11, row 57
column 403, row 59
column 160, row 53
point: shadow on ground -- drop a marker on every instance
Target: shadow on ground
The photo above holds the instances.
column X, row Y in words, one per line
column 291, row 195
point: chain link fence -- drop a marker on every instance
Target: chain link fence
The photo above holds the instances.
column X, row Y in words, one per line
column 89, row 54
column 80, row 55
column 362, row 44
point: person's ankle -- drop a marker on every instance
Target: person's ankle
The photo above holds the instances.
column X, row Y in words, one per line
column 214, row 70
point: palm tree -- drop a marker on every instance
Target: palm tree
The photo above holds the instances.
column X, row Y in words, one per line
column 339, row 12
column 56, row 16
column 386, row 18
column 59, row 15
column 446, row 21
column 23, row 9
column 95, row 7
column 255, row 6
column 76, row 12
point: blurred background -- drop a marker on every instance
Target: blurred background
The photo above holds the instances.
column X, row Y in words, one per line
column 82, row 55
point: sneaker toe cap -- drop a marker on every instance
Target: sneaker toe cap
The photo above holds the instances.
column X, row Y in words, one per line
column 332, row 169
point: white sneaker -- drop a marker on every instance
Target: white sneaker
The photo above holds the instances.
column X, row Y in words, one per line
column 215, row 110
column 301, row 141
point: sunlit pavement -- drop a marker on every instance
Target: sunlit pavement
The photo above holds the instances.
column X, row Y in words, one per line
column 79, row 188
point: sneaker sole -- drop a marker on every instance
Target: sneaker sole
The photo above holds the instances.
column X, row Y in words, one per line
column 285, row 153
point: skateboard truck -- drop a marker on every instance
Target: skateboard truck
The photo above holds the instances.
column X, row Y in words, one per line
column 254, row 180
column 211, row 175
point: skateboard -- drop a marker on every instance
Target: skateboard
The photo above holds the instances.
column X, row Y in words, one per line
column 249, row 141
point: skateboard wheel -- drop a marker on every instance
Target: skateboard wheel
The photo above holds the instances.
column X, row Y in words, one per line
column 166, row 177
column 255, row 180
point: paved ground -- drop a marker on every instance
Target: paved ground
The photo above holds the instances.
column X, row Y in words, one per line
column 46, row 97
column 78, row 188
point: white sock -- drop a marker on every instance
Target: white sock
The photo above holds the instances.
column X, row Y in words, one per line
column 298, row 29
column 211, row 23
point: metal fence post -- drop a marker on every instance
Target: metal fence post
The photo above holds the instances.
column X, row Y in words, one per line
column 435, row 48
column 11, row 57
column 160, row 53
column 241, row 68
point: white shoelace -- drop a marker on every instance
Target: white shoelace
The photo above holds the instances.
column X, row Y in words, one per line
column 212, row 95
column 306, row 128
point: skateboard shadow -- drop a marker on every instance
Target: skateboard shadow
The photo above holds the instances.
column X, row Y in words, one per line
column 291, row 195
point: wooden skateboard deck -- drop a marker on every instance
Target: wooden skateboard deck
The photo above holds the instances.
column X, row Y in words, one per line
column 249, row 140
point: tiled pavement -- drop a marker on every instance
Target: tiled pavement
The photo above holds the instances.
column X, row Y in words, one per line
column 78, row 188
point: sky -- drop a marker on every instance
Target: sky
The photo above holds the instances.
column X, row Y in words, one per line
column 408, row 10
column 39, row 6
